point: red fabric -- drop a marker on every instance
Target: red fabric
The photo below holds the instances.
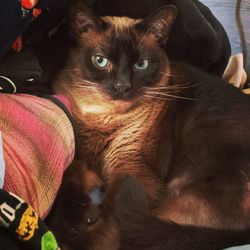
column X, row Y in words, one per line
column 36, row 12
column 18, row 44
column 38, row 145
column 28, row 4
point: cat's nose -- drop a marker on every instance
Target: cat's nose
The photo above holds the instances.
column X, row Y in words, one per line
column 122, row 88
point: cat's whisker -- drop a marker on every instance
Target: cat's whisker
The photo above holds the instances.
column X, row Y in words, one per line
column 86, row 87
column 167, row 74
column 186, row 84
column 156, row 97
column 70, row 70
column 165, row 92
column 172, row 91
column 162, row 87
column 170, row 95
column 167, row 95
column 79, row 203
column 83, row 83
column 84, row 80
column 141, row 101
column 175, row 87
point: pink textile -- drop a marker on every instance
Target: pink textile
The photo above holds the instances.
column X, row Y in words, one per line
column 38, row 145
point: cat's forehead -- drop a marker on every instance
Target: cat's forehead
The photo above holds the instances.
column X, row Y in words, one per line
column 120, row 38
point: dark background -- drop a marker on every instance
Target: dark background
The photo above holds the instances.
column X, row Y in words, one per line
column 235, row 17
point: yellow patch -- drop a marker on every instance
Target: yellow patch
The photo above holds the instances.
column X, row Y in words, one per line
column 28, row 224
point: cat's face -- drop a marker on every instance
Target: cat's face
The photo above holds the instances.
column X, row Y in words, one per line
column 120, row 57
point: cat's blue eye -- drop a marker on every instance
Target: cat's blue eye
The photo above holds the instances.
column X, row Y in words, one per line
column 100, row 61
column 142, row 64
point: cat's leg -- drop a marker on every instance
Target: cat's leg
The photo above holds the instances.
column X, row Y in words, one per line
column 117, row 170
column 73, row 211
column 105, row 234
column 141, row 230
column 216, row 206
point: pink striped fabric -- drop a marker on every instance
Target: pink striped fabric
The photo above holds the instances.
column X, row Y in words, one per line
column 38, row 144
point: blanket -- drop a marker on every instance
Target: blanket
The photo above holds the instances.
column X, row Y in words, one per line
column 38, row 145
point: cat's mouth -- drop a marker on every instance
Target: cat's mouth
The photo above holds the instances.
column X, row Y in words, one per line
column 121, row 96
column 122, row 106
column 119, row 103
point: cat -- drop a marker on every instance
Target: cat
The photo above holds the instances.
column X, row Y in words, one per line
column 182, row 133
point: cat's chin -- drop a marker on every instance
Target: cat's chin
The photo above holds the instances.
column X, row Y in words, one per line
column 122, row 106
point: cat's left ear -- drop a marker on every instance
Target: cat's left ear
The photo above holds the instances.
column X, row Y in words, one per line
column 160, row 23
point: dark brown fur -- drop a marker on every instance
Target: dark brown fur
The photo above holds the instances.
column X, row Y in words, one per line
column 151, row 131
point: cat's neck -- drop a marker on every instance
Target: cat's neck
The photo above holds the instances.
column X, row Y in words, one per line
column 104, row 115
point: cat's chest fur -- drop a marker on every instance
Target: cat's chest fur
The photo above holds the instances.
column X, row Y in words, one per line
column 109, row 142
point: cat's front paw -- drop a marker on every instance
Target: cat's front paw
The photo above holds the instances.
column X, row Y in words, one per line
column 73, row 214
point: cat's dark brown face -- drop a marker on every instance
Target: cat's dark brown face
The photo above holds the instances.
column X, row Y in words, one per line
column 119, row 56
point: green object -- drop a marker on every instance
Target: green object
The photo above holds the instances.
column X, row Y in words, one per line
column 49, row 241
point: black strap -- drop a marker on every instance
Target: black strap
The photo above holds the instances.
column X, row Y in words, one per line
column 71, row 119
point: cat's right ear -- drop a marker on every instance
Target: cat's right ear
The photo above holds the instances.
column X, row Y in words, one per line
column 83, row 19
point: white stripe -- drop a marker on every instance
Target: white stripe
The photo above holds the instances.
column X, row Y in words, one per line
column 2, row 165
column 245, row 247
column 11, row 82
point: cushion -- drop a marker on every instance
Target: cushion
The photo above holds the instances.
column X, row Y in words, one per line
column 38, row 145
